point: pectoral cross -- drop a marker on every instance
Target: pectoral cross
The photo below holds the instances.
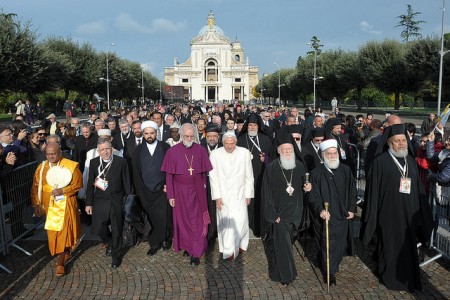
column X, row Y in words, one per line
column 190, row 170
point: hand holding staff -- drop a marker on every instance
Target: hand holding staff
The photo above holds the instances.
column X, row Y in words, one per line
column 328, row 246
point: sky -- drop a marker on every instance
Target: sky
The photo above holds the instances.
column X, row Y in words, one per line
column 154, row 32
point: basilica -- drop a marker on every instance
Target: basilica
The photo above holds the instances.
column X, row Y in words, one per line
column 216, row 69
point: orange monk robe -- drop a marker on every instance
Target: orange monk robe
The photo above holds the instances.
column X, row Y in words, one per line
column 66, row 239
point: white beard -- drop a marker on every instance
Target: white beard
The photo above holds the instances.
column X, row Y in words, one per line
column 188, row 144
column 287, row 163
column 252, row 133
column 331, row 164
column 400, row 153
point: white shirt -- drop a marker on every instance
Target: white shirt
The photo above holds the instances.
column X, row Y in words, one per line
column 152, row 147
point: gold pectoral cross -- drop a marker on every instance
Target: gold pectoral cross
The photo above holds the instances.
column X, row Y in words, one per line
column 190, row 170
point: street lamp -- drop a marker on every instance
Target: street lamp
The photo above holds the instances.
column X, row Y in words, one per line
column 314, row 74
column 142, row 83
column 279, row 83
column 441, row 62
column 107, row 74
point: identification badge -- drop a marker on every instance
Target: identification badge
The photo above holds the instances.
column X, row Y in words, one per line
column 59, row 198
column 101, row 184
column 343, row 156
column 405, row 185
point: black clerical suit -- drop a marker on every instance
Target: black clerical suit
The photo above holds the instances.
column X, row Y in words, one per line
column 120, row 140
column 149, row 183
column 337, row 187
column 107, row 205
column 255, row 215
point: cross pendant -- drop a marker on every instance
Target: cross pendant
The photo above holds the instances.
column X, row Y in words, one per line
column 190, row 170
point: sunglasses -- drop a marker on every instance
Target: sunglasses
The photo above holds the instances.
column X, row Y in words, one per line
column 42, row 134
column 318, row 140
column 297, row 139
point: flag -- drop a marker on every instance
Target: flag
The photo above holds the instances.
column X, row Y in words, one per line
column 444, row 116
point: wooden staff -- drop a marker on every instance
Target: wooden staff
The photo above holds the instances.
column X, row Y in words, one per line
column 327, row 236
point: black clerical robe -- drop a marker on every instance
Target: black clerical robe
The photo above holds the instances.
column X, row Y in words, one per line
column 255, row 214
column 337, row 187
column 279, row 237
column 107, row 205
column 151, row 191
column 400, row 221
column 311, row 157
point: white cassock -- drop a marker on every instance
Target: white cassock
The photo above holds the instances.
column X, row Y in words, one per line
column 231, row 180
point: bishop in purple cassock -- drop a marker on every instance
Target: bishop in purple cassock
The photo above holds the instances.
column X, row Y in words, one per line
column 186, row 166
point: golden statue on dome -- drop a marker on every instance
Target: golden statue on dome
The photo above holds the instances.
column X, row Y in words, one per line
column 211, row 20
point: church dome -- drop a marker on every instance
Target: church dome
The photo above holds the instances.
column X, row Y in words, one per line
column 211, row 26
column 215, row 28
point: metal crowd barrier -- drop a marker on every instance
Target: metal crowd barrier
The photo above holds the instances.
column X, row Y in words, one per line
column 2, row 235
column 440, row 238
column 17, row 214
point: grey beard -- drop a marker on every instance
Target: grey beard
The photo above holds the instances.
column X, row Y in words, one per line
column 287, row 163
column 212, row 145
column 400, row 153
column 188, row 144
column 331, row 164
column 252, row 133
column 299, row 147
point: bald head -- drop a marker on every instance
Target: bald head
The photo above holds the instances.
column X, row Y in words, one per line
column 392, row 120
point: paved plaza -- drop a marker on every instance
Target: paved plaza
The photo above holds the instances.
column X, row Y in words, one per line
column 167, row 275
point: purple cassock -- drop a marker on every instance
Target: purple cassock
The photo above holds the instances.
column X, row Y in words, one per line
column 186, row 177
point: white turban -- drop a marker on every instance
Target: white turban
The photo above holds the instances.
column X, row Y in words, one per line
column 331, row 143
column 104, row 132
column 148, row 124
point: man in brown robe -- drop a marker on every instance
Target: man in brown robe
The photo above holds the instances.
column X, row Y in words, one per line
column 58, row 199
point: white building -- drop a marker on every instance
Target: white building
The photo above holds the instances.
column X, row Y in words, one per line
column 216, row 69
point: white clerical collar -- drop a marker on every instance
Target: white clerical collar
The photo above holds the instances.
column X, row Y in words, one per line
column 107, row 161
column 152, row 147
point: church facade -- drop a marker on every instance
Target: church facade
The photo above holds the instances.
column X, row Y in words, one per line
column 216, row 69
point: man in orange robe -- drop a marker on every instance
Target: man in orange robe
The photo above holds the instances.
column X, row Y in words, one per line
column 60, row 203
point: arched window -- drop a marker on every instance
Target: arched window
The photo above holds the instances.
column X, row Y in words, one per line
column 237, row 58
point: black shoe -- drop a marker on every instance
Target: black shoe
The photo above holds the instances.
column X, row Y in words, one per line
column 194, row 261
column 108, row 251
column 332, row 280
column 153, row 251
column 185, row 253
column 167, row 244
column 116, row 263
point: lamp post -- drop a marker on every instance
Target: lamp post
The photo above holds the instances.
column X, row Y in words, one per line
column 441, row 61
column 279, row 82
column 107, row 74
column 314, row 74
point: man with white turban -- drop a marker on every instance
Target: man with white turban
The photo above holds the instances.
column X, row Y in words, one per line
column 333, row 182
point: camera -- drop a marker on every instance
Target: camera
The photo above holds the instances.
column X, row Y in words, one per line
column 358, row 124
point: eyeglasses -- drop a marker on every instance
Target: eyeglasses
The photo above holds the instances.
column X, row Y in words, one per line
column 297, row 139
column 41, row 134
column 7, row 134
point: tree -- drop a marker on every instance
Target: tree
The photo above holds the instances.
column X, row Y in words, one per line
column 409, row 24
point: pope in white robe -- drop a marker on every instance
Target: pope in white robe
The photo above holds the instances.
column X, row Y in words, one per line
column 232, row 188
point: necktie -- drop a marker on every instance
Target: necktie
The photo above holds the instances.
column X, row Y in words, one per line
column 158, row 136
column 139, row 141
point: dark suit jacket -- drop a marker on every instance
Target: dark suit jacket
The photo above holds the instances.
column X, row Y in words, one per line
column 81, row 148
column 166, row 132
column 103, row 202
column 139, row 185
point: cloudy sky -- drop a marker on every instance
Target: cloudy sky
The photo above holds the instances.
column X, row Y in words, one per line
column 153, row 32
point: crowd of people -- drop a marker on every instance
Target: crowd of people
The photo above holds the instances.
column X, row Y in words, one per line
column 202, row 172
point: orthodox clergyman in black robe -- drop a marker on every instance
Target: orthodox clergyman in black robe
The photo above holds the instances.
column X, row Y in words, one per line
column 397, row 210
column 333, row 182
column 253, row 138
column 283, row 189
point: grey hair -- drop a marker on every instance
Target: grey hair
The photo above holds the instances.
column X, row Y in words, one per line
column 104, row 141
column 185, row 126
column 123, row 121
column 54, row 136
